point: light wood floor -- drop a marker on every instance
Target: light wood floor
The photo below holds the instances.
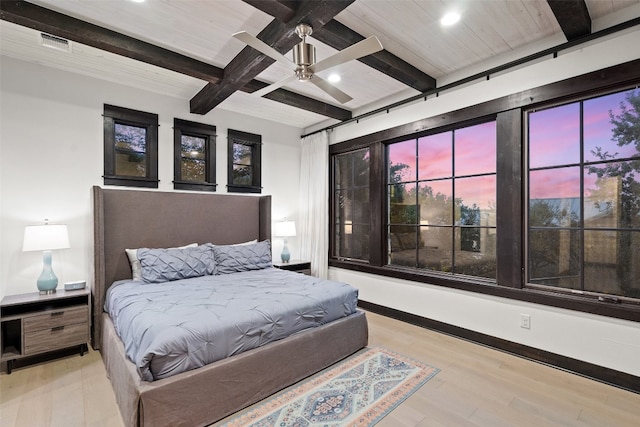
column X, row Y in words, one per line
column 476, row 386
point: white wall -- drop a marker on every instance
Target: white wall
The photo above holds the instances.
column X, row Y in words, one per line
column 607, row 342
column 51, row 154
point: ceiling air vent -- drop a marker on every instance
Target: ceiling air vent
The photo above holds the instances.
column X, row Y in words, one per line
column 54, row 42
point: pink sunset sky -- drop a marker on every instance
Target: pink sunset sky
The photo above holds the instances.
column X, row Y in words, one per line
column 475, row 153
column 554, row 140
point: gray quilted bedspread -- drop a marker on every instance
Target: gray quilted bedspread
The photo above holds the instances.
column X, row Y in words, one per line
column 173, row 327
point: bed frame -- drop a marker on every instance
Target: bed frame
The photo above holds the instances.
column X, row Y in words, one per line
column 135, row 219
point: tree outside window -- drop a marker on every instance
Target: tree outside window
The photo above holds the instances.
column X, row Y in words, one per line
column 584, row 195
column 194, row 156
column 244, row 162
column 441, row 207
column 130, row 147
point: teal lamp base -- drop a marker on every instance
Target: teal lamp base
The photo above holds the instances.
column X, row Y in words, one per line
column 285, row 255
column 47, row 282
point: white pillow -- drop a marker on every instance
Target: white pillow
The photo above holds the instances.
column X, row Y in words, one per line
column 136, row 268
column 250, row 242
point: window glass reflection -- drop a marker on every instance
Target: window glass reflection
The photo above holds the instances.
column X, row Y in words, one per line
column 130, row 149
column 554, row 136
column 435, row 156
column 402, row 162
column 475, row 149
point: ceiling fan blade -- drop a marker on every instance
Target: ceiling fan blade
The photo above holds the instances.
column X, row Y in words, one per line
column 362, row 48
column 262, row 47
column 273, row 86
column 330, row 89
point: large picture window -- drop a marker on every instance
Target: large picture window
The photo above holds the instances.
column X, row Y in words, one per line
column 441, row 198
column 130, row 147
column 534, row 196
column 584, row 195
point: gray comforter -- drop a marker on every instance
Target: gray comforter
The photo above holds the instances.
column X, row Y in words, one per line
column 181, row 325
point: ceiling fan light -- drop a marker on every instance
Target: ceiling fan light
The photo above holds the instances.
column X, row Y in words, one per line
column 304, row 74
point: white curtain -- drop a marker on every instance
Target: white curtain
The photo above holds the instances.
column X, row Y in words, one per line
column 314, row 196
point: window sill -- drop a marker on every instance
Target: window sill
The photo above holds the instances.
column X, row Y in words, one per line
column 130, row 181
column 582, row 303
column 194, row 186
column 244, row 189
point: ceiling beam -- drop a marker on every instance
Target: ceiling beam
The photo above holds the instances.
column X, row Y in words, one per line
column 249, row 62
column 282, row 10
column 573, row 17
column 299, row 101
column 339, row 37
column 55, row 23
column 46, row 20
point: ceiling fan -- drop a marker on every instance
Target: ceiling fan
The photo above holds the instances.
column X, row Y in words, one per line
column 304, row 60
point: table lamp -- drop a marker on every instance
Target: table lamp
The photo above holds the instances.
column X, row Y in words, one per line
column 46, row 238
column 285, row 229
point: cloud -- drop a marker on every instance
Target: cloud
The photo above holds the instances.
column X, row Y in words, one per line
column 560, row 183
column 554, row 136
column 480, row 190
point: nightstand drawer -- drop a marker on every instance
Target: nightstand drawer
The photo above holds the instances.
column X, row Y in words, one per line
column 55, row 318
column 55, row 338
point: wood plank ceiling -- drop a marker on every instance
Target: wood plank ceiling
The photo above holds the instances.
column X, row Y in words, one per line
column 193, row 39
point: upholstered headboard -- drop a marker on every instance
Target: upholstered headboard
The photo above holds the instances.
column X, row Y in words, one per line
column 136, row 219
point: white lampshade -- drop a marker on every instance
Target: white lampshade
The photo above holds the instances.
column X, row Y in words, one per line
column 284, row 229
column 45, row 237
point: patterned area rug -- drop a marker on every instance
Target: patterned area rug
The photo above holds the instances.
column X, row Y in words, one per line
column 359, row 391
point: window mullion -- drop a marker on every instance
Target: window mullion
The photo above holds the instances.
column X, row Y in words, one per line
column 581, row 231
column 509, row 210
column 377, row 194
column 453, row 204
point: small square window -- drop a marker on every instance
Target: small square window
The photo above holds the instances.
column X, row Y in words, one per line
column 194, row 156
column 130, row 147
column 244, row 161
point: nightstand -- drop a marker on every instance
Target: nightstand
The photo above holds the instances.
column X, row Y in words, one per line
column 296, row 265
column 33, row 324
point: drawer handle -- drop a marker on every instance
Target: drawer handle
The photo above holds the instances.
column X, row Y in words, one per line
column 57, row 313
column 57, row 328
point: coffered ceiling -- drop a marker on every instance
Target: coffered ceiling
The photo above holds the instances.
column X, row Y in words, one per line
column 185, row 48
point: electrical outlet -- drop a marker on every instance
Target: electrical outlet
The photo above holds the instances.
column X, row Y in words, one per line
column 525, row 321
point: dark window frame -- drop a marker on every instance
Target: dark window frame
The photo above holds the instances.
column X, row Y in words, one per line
column 200, row 130
column 509, row 113
column 253, row 141
column 149, row 121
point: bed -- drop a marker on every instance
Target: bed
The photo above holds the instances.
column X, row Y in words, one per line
column 137, row 219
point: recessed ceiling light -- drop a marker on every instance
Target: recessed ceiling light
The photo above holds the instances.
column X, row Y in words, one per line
column 450, row 19
column 334, row 78
column 138, row 1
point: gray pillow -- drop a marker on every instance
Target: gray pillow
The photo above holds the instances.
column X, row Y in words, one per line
column 236, row 258
column 164, row 265
column 136, row 268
